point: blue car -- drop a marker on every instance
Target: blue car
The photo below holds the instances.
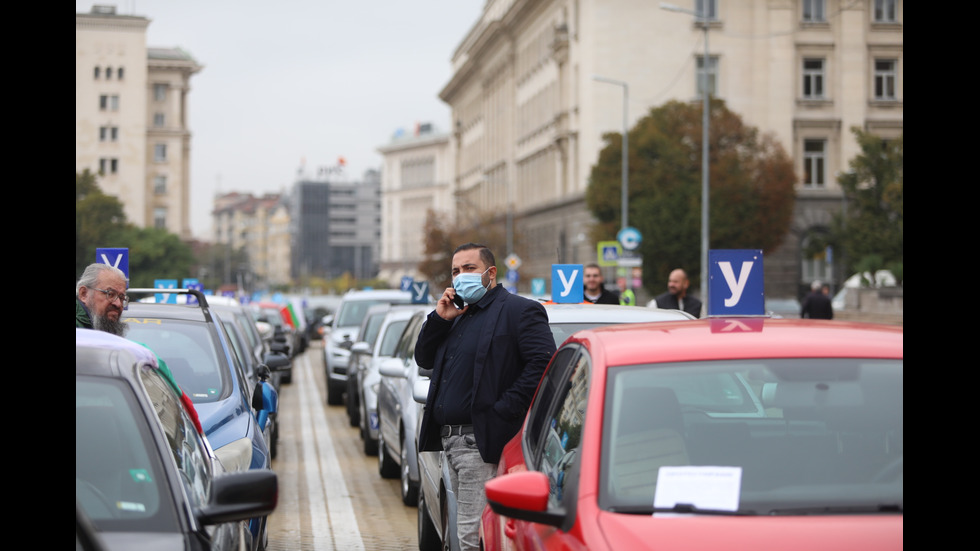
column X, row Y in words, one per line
column 199, row 353
column 144, row 476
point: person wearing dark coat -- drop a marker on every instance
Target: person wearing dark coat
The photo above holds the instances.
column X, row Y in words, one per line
column 485, row 355
column 676, row 297
column 817, row 304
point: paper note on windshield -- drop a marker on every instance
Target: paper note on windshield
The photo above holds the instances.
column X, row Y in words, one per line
column 714, row 488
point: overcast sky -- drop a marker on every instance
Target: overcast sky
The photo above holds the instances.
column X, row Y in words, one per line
column 302, row 81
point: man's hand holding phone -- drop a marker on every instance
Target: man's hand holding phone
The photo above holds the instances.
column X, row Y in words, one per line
column 450, row 305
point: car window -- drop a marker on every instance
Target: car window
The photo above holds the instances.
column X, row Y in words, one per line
column 373, row 325
column 119, row 478
column 190, row 353
column 563, row 432
column 539, row 416
column 827, row 433
column 391, row 337
column 192, row 460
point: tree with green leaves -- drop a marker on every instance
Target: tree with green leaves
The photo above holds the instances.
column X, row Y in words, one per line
column 869, row 232
column 100, row 222
column 751, row 188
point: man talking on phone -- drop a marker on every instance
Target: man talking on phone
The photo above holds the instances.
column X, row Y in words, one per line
column 486, row 353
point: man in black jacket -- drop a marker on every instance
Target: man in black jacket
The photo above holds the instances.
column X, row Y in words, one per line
column 595, row 290
column 676, row 296
column 817, row 304
column 486, row 354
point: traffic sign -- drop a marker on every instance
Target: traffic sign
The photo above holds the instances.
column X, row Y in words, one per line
column 735, row 283
column 629, row 237
column 118, row 258
column 512, row 276
column 566, row 283
column 513, row 261
column 609, row 253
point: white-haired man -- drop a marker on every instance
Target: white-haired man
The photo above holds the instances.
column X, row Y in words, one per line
column 100, row 297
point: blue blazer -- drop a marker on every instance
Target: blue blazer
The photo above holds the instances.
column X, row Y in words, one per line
column 509, row 363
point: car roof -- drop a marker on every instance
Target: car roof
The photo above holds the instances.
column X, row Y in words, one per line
column 610, row 313
column 108, row 351
column 188, row 312
column 741, row 338
column 377, row 294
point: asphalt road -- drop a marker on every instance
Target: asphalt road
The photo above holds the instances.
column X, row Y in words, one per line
column 330, row 494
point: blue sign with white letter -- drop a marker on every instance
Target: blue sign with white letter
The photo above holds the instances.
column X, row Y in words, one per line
column 192, row 283
column 566, row 283
column 118, row 258
column 735, row 283
column 165, row 298
column 420, row 292
column 406, row 284
column 537, row 287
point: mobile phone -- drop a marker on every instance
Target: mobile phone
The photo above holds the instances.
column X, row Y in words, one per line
column 458, row 301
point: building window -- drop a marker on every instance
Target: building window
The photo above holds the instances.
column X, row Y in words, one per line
column 160, row 218
column 813, row 78
column 159, row 92
column 119, row 73
column 160, row 184
column 160, row 152
column 108, row 103
column 97, row 72
column 108, row 73
column 884, row 79
column 108, row 133
column 814, row 163
column 158, row 119
column 706, row 9
column 886, row 11
column 108, row 165
column 814, row 11
column 710, row 75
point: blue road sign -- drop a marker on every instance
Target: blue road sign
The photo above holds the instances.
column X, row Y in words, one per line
column 566, row 283
column 513, row 276
column 165, row 284
column 118, row 258
column 537, row 287
column 629, row 237
column 192, row 283
column 420, row 292
column 735, row 283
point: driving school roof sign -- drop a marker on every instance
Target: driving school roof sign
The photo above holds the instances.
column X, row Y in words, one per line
column 735, row 283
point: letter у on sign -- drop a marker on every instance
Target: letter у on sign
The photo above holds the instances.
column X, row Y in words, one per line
column 566, row 283
column 736, row 283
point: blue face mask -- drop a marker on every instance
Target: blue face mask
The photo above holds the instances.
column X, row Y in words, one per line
column 469, row 287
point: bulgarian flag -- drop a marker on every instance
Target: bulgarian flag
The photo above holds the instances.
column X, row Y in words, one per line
column 289, row 315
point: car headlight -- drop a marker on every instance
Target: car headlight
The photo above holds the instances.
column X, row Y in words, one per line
column 235, row 456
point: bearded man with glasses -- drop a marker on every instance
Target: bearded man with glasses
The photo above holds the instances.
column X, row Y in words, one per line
column 100, row 297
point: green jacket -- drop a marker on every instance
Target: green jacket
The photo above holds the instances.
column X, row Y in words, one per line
column 82, row 318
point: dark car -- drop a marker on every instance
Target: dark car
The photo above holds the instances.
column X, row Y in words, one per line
column 144, row 477
column 190, row 339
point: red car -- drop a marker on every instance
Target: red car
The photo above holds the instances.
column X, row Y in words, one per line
column 757, row 434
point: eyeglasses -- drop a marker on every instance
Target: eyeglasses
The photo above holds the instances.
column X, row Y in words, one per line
column 113, row 294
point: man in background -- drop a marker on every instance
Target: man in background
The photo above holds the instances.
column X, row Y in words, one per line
column 595, row 288
column 100, row 297
column 676, row 297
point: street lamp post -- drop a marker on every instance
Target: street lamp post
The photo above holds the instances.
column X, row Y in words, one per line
column 705, row 124
column 625, row 166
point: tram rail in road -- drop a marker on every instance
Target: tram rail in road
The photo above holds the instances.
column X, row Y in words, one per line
column 331, row 496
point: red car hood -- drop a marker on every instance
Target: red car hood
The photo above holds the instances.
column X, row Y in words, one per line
column 762, row 533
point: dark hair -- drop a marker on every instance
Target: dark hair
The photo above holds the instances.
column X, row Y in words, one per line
column 486, row 255
column 592, row 265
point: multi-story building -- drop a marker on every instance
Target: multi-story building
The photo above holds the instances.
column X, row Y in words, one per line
column 131, row 118
column 336, row 227
column 415, row 180
column 528, row 112
column 260, row 227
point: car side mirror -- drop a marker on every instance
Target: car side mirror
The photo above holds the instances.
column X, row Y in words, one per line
column 420, row 390
column 392, row 367
column 277, row 361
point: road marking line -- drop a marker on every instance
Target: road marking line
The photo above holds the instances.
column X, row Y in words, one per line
column 326, row 479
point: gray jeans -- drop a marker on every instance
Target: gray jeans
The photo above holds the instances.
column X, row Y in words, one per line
column 467, row 473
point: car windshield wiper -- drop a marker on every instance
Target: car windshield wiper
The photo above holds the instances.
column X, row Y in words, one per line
column 841, row 509
column 680, row 508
